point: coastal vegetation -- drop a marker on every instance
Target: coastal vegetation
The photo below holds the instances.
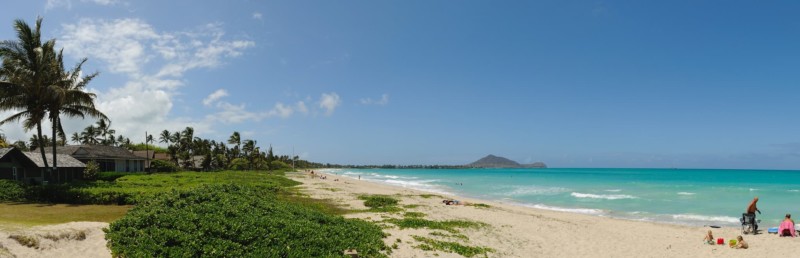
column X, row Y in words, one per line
column 380, row 203
column 429, row 244
column 235, row 221
column 451, row 226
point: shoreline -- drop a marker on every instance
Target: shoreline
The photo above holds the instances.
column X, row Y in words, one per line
column 685, row 219
column 524, row 231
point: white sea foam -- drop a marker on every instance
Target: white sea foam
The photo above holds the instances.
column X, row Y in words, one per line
column 794, row 190
column 614, row 190
column 603, row 196
column 423, row 185
column 753, row 189
column 571, row 210
column 685, row 193
column 705, row 218
column 535, row 190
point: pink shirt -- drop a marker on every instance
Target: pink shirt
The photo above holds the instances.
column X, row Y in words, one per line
column 787, row 224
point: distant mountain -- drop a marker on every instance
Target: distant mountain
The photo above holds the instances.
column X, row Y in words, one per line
column 493, row 161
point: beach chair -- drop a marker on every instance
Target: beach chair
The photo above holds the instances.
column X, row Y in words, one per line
column 749, row 223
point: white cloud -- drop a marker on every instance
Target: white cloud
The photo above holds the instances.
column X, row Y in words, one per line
column 383, row 101
column 101, row 2
column 50, row 4
column 281, row 110
column 258, row 16
column 214, row 96
column 329, row 102
column 154, row 63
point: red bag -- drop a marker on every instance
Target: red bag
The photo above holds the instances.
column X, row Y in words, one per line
column 720, row 241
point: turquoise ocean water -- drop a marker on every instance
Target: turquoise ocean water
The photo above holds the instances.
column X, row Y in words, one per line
column 683, row 196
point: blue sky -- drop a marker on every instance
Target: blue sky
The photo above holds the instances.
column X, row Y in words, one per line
column 700, row 84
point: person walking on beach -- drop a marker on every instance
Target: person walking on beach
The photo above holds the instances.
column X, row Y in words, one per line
column 750, row 214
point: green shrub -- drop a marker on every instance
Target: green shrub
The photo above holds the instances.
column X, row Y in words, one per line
column 11, row 191
column 277, row 164
column 112, row 176
column 237, row 221
column 448, row 225
column 452, row 247
column 158, row 165
column 91, row 170
column 238, row 164
column 378, row 201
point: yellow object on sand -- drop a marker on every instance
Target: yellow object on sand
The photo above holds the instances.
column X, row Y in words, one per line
column 732, row 242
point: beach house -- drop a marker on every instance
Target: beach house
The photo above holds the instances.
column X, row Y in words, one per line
column 29, row 167
column 110, row 158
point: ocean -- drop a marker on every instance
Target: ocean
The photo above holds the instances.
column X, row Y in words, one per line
column 681, row 196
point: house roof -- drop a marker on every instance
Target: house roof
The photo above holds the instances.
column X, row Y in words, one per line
column 96, row 152
column 4, row 151
column 64, row 161
column 161, row 156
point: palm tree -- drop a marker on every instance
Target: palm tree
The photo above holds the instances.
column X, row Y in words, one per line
column 248, row 148
column 105, row 132
column 164, row 137
column 89, row 135
column 76, row 138
column 69, row 98
column 28, row 70
column 236, row 140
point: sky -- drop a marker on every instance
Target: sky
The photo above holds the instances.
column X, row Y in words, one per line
column 643, row 84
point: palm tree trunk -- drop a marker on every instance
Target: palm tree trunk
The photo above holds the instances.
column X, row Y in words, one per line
column 55, row 166
column 41, row 143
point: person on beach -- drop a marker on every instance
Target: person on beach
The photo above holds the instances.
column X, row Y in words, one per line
column 740, row 243
column 787, row 227
column 709, row 239
column 750, row 213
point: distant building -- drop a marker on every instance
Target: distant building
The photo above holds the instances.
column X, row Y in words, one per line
column 109, row 158
column 29, row 167
column 153, row 155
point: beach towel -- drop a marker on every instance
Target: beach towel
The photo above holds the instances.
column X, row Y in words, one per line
column 787, row 225
column 773, row 230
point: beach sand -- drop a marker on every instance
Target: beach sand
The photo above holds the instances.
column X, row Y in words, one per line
column 73, row 239
column 516, row 231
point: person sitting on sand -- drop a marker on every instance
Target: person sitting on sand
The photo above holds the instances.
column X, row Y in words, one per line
column 740, row 243
column 787, row 227
column 453, row 202
column 709, row 239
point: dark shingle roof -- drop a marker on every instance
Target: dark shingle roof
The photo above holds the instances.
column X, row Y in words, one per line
column 95, row 152
column 64, row 161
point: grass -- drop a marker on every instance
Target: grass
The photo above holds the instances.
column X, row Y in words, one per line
column 380, row 203
column 70, row 235
column 26, row 240
column 479, row 205
column 42, row 214
column 456, row 235
column 451, row 226
column 411, row 206
column 429, row 244
column 413, row 214
column 428, row 196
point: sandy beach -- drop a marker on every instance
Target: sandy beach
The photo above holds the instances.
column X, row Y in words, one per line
column 73, row 239
column 515, row 231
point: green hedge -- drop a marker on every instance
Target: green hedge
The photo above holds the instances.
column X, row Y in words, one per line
column 11, row 191
column 163, row 166
column 112, row 176
column 237, row 221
